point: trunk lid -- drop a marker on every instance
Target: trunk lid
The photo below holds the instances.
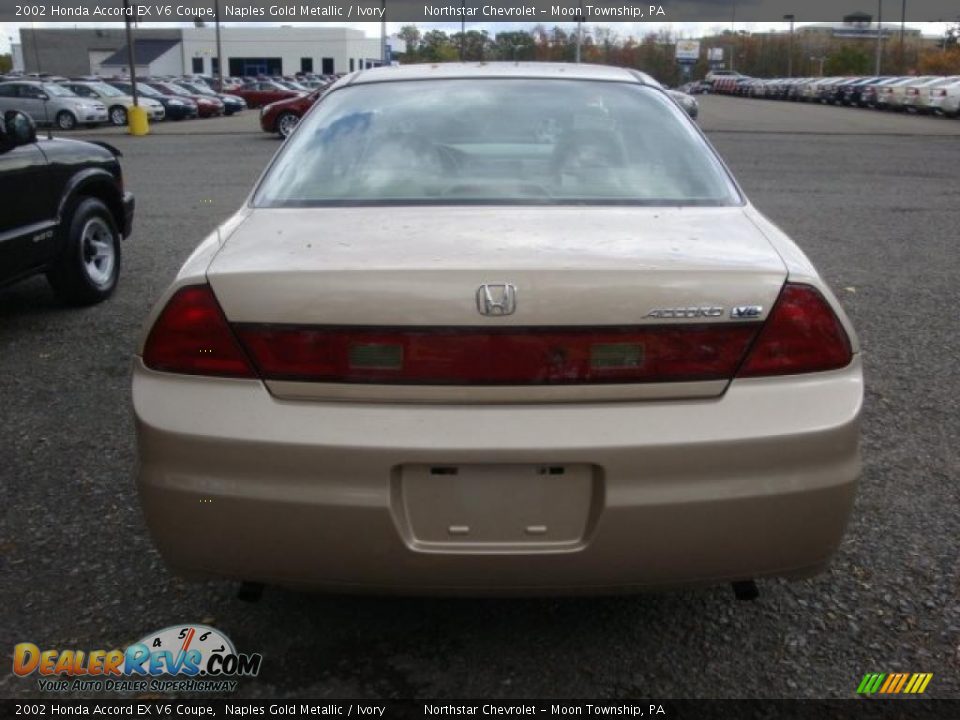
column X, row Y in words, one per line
column 422, row 267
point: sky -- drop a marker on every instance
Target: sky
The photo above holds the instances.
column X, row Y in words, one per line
column 10, row 31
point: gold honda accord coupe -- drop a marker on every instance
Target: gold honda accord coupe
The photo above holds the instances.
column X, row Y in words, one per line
column 497, row 329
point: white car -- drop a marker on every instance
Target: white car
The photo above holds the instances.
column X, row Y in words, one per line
column 946, row 99
column 919, row 96
column 890, row 97
column 118, row 103
column 497, row 328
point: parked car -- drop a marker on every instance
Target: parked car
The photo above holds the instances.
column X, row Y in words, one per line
column 852, row 93
column 117, row 103
column 263, row 92
column 175, row 107
column 946, row 99
column 898, row 98
column 870, row 94
column 206, row 106
column 49, row 103
column 917, row 95
column 231, row 103
column 65, row 211
column 687, row 102
column 890, row 95
column 282, row 117
column 401, row 366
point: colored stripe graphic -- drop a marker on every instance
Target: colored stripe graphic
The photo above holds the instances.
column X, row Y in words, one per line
column 894, row 683
column 918, row 683
column 870, row 683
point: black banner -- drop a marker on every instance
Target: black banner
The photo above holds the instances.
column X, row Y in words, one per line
column 864, row 709
column 475, row 11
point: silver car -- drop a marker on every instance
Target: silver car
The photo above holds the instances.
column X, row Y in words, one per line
column 49, row 103
column 118, row 102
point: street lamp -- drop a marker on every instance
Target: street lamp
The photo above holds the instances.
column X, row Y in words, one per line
column 879, row 35
column 790, row 51
column 579, row 30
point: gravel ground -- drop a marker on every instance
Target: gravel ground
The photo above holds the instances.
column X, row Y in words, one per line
column 880, row 217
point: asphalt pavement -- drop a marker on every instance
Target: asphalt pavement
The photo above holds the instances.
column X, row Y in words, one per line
column 876, row 211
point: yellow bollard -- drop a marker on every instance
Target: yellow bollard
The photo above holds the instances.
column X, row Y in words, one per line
column 137, row 123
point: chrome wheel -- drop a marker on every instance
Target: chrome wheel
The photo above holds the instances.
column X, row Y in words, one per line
column 287, row 123
column 118, row 116
column 97, row 244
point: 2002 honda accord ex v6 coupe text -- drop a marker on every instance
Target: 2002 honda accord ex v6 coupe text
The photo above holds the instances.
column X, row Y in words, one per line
column 497, row 328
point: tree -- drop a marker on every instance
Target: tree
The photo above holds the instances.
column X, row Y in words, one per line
column 848, row 60
column 6, row 63
column 515, row 45
column 410, row 34
column 940, row 62
column 436, row 47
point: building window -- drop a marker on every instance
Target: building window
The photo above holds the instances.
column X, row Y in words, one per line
column 352, row 61
column 328, row 66
column 198, row 66
column 306, row 65
column 240, row 67
column 214, row 66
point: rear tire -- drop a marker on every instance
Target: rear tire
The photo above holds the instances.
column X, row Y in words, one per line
column 88, row 268
column 66, row 120
column 118, row 115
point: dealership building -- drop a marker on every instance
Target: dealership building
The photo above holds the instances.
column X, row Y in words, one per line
column 193, row 50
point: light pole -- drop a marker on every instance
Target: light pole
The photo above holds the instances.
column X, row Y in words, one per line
column 903, row 23
column 383, row 33
column 579, row 30
column 879, row 36
column 790, row 47
column 463, row 29
column 219, row 52
column 733, row 34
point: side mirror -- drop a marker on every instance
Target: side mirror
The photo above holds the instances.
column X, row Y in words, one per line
column 43, row 96
column 18, row 129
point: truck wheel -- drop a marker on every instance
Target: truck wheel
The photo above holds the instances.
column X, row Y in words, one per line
column 87, row 270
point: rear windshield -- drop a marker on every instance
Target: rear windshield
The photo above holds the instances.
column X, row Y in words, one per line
column 496, row 142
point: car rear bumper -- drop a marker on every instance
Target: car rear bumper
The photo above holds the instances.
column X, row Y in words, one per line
column 237, row 483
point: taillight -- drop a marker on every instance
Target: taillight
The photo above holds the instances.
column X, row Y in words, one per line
column 940, row 93
column 801, row 335
column 192, row 336
column 505, row 356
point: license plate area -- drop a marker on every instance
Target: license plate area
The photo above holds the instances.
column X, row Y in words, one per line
column 496, row 507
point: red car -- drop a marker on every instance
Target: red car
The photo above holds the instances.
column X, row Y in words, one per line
column 264, row 92
column 281, row 117
column 206, row 106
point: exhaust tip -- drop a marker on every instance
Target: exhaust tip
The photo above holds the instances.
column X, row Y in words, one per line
column 745, row 590
column 250, row 592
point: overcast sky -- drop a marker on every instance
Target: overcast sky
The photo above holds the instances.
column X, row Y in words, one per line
column 623, row 29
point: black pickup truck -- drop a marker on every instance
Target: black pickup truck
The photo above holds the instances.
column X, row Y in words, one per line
column 63, row 211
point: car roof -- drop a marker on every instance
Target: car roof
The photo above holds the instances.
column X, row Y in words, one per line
column 553, row 71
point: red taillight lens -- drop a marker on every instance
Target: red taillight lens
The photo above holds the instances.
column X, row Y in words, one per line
column 192, row 336
column 801, row 335
column 514, row 356
column 940, row 93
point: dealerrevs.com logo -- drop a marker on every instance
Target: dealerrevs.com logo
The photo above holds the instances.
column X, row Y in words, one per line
column 180, row 658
